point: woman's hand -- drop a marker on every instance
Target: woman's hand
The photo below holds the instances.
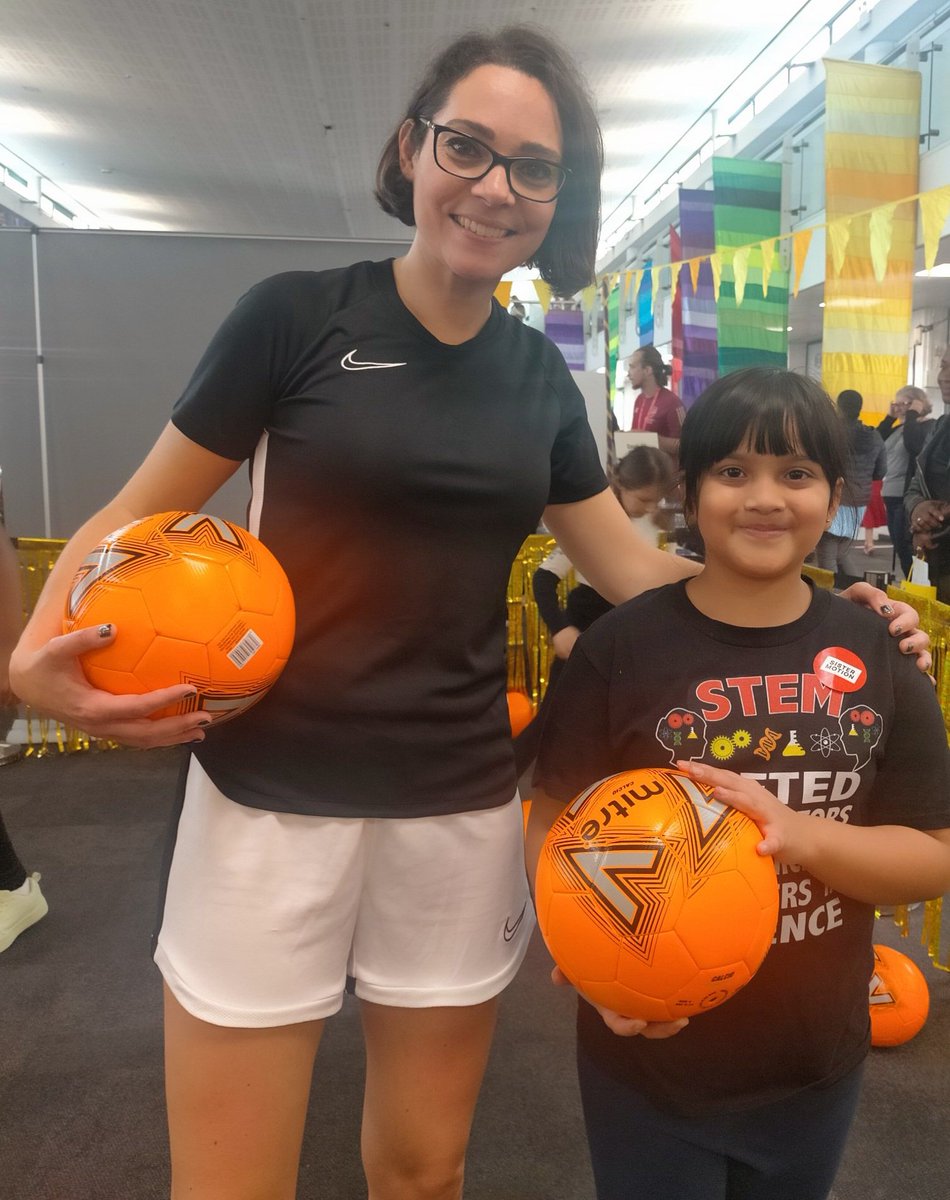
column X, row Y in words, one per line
column 785, row 832
column 627, row 1026
column 904, row 620
column 929, row 515
column 51, row 680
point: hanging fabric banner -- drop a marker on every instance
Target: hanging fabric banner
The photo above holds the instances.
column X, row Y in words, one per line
column 678, row 275
column 543, row 291
column 934, row 208
column 872, row 122
column 700, row 353
column 503, row 292
column 800, row 244
column 645, row 305
column 751, row 326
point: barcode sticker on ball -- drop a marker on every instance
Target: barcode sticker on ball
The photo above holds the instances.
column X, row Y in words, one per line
column 245, row 650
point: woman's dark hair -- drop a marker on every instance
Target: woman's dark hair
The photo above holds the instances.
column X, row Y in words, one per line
column 644, row 466
column 650, row 357
column 850, row 403
column 567, row 255
column 775, row 412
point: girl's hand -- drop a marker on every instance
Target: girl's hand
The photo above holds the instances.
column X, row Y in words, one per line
column 627, row 1026
column 904, row 620
column 785, row 832
column 51, row 680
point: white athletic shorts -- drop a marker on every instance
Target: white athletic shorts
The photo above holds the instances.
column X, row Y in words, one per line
column 267, row 913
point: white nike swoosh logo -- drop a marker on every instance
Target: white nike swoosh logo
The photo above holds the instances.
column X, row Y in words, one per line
column 349, row 363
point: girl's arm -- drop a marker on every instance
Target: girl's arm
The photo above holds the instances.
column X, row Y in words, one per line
column 878, row 864
column 44, row 669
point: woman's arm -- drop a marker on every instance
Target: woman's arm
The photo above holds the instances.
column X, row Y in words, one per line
column 598, row 538
column 44, row 669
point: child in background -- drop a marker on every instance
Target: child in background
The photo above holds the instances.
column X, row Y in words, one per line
column 640, row 481
column 835, row 747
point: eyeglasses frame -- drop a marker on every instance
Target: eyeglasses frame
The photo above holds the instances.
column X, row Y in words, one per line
column 496, row 160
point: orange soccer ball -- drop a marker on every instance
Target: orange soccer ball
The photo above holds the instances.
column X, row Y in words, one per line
column 520, row 712
column 898, row 997
column 194, row 600
column 651, row 897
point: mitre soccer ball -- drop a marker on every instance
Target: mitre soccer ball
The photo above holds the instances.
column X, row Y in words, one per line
column 898, row 997
column 195, row 600
column 651, row 897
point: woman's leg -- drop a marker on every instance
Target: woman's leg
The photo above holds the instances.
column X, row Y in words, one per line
column 237, row 1100
column 424, row 1068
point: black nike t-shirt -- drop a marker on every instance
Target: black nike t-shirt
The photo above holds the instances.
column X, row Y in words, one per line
column 395, row 478
column 655, row 681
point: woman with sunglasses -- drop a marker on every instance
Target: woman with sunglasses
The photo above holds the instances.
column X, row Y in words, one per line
column 404, row 435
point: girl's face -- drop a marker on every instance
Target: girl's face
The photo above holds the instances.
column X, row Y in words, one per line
column 761, row 515
column 477, row 230
column 639, row 502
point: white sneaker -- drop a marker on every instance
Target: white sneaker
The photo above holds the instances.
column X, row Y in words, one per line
column 20, row 910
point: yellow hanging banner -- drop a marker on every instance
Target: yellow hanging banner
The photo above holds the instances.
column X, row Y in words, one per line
column 839, row 234
column 694, row 265
column 880, row 236
column 589, row 297
column 503, row 293
column 543, row 291
column 675, row 269
column 872, row 161
column 768, row 255
column 715, row 263
column 800, row 243
column 934, row 210
column 740, row 272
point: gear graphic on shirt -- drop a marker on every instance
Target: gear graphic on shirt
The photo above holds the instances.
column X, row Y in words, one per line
column 741, row 738
column 722, row 748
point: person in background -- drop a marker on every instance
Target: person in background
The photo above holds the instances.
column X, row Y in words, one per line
column 22, row 903
column 867, row 462
column 518, row 310
column 656, row 409
column 641, row 480
column 904, row 430
column 927, row 499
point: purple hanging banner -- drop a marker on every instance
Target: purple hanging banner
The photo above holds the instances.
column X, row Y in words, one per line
column 700, row 344
column 566, row 331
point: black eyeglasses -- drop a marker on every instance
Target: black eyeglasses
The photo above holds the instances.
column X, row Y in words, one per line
column 466, row 157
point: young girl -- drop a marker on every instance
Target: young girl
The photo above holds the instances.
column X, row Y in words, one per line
column 809, row 722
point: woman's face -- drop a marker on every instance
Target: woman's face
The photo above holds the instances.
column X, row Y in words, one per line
column 477, row 230
column 639, row 502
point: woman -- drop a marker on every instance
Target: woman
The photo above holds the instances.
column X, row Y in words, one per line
column 404, row 434
column 657, row 409
column 904, row 430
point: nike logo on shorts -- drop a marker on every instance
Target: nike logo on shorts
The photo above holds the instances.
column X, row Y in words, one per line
column 511, row 930
column 349, row 363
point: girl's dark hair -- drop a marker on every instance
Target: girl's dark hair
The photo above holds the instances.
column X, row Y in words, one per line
column 650, row 357
column 775, row 412
column 567, row 255
column 644, row 466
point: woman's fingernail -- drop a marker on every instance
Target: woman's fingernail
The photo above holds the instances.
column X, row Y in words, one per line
column 105, row 630
column 897, row 629
column 886, row 609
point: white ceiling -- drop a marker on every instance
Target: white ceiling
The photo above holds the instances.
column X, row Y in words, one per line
column 266, row 117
